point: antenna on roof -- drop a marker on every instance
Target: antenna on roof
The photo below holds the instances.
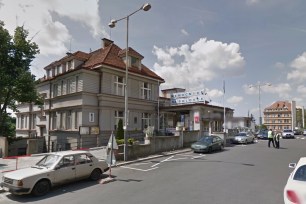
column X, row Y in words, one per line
column 110, row 30
column 70, row 45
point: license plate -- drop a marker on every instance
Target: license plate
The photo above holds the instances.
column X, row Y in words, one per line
column 6, row 188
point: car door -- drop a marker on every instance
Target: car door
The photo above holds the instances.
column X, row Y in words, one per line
column 215, row 144
column 84, row 166
column 65, row 170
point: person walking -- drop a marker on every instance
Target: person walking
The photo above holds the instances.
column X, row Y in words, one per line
column 276, row 139
column 270, row 138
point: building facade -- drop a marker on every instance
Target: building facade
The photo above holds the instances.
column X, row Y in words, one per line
column 280, row 115
column 84, row 97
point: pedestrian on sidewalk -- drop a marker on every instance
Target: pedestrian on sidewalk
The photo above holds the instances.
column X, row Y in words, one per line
column 276, row 139
column 270, row 138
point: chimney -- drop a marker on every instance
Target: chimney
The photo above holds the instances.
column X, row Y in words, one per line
column 106, row 42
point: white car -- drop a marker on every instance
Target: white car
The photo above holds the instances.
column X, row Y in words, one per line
column 295, row 189
column 287, row 133
column 53, row 169
column 244, row 138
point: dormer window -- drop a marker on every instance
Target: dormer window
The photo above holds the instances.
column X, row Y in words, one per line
column 53, row 72
column 48, row 73
column 135, row 62
column 58, row 69
column 69, row 65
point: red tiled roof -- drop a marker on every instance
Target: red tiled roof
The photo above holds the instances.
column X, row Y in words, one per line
column 280, row 104
column 77, row 55
column 111, row 56
column 131, row 52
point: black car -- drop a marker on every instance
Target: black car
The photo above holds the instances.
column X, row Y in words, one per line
column 208, row 144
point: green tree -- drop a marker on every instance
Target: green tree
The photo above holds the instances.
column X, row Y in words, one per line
column 120, row 131
column 17, row 84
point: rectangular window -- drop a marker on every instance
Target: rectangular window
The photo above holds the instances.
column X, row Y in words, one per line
column 76, row 83
column 69, row 65
column 145, row 91
column 58, row 69
column 76, row 120
column 54, row 121
column 68, row 91
column 119, row 85
column 62, row 87
column 91, row 117
column 146, row 120
column 33, row 121
column 135, row 62
column 118, row 115
column 62, row 121
column 48, row 73
column 53, row 72
column 55, row 90
column 22, row 122
column 68, row 120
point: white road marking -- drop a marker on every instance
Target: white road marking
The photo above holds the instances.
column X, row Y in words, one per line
column 177, row 159
column 162, row 161
column 127, row 167
column 198, row 156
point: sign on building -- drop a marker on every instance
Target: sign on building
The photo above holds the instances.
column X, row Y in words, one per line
column 188, row 97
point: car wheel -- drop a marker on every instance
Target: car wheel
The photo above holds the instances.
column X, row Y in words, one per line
column 222, row 147
column 95, row 174
column 41, row 188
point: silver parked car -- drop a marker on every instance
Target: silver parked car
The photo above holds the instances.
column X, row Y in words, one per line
column 53, row 169
column 244, row 138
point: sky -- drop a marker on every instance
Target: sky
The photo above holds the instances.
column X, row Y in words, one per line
column 195, row 44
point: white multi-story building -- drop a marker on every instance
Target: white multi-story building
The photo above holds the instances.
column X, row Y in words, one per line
column 85, row 91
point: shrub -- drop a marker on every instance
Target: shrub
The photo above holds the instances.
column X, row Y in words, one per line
column 120, row 131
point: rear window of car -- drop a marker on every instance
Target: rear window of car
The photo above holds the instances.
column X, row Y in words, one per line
column 287, row 130
column 300, row 174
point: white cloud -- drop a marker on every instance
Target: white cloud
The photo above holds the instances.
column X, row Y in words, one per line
column 214, row 93
column 280, row 65
column 235, row 100
column 299, row 69
column 205, row 60
column 301, row 89
column 51, row 36
column 251, row 2
column 184, row 32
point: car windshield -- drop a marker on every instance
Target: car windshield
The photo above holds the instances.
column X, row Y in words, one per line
column 206, row 140
column 287, row 130
column 48, row 160
column 242, row 134
column 300, row 174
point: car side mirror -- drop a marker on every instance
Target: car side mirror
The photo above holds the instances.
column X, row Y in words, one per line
column 57, row 167
column 292, row 165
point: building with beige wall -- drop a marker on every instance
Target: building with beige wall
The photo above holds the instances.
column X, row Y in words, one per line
column 280, row 115
column 87, row 90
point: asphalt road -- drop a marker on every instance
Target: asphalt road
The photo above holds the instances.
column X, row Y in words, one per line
column 241, row 174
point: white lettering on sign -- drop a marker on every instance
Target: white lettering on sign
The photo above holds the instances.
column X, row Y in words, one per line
column 188, row 97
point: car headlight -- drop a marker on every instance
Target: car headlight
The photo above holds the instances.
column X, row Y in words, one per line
column 19, row 183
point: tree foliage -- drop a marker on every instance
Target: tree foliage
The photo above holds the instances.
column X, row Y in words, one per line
column 17, row 84
column 120, row 131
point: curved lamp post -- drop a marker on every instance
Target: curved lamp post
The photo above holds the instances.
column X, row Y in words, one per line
column 112, row 24
column 259, row 85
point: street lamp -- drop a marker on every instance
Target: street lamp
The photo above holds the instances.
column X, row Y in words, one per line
column 259, row 85
column 112, row 24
